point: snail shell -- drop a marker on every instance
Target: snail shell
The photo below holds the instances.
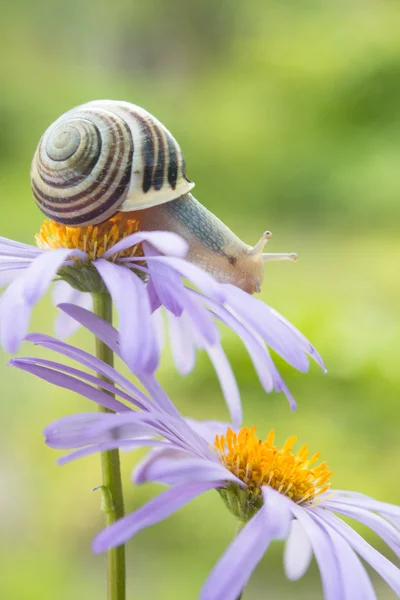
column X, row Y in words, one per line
column 103, row 157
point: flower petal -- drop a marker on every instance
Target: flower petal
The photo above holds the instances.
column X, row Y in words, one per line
column 158, row 320
column 387, row 570
column 179, row 472
column 278, row 333
column 77, row 374
column 70, row 432
column 202, row 323
column 209, row 429
column 95, row 324
column 182, row 345
column 201, row 279
column 154, row 300
column 41, row 272
column 15, row 315
column 69, row 383
column 164, row 241
column 277, row 512
column 324, row 553
column 114, row 444
column 23, row 293
column 158, row 509
column 6, row 243
column 231, row 573
column 9, row 274
column 168, row 452
column 380, row 526
column 228, row 382
column 64, row 325
column 298, row 552
column 357, row 499
column 173, row 429
column 138, row 342
column 156, row 392
column 160, row 274
column 263, row 364
column 87, row 360
column 355, row 580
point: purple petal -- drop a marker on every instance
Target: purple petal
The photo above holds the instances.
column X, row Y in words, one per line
column 20, row 297
column 70, row 432
column 87, row 360
column 324, row 553
column 95, row 324
column 97, row 381
column 231, row 573
column 154, row 300
column 233, row 570
column 64, row 325
column 179, row 472
column 308, row 347
column 171, row 428
column 201, row 279
column 9, row 274
column 168, row 452
column 380, row 526
column 263, row 364
column 209, row 429
column 182, row 346
column 158, row 509
column 281, row 335
column 165, row 242
column 204, row 328
column 298, row 552
column 112, row 429
column 387, row 570
column 277, row 512
column 160, row 397
column 137, row 335
column 69, row 383
column 363, row 501
column 158, row 321
column 114, row 444
column 160, row 274
column 202, row 323
column 7, row 243
column 228, row 383
column 355, row 581
column 41, row 272
column 15, row 315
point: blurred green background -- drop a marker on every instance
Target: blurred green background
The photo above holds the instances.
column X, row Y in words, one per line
column 289, row 117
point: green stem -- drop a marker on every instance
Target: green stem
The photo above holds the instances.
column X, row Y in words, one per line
column 239, row 527
column 113, row 501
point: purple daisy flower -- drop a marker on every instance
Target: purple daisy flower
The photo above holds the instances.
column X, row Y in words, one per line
column 144, row 274
column 274, row 492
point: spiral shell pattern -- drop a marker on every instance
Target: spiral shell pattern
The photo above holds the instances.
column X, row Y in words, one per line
column 103, row 157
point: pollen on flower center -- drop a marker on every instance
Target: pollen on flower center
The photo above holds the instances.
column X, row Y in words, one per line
column 92, row 239
column 259, row 463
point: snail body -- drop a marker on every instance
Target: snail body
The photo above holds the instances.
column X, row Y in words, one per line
column 108, row 156
column 212, row 245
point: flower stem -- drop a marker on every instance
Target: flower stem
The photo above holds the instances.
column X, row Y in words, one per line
column 113, row 501
column 239, row 527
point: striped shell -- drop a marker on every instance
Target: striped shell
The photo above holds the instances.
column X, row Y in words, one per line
column 103, row 157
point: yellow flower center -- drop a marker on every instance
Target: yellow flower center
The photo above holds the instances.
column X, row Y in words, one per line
column 92, row 239
column 259, row 463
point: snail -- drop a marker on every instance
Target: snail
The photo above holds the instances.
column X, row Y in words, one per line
column 107, row 156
